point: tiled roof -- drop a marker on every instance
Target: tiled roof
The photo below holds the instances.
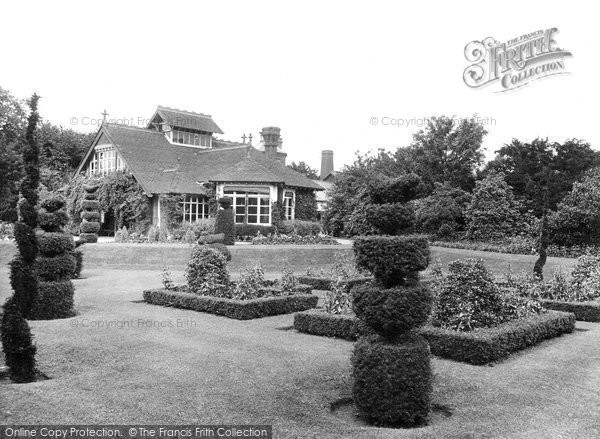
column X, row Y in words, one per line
column 162, row 167
column 188, row 119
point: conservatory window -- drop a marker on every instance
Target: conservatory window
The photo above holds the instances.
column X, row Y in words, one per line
column 251, row 207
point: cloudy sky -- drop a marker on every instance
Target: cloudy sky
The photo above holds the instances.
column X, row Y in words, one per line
column 346, row 76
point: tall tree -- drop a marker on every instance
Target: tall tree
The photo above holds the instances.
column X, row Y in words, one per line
column 525, row 166
column 448, row 150
column 303, row 168
column 16, row 335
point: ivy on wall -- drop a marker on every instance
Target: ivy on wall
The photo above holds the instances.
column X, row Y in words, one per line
column 306, row 205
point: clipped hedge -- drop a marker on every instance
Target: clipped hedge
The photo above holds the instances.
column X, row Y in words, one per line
column 585, row 311
column 56, row 268
column 93, row 205
column 54, row 301
column 52, row 221
column 215, row 238
column 54, row 243
column 476, row 347
column 391, row 259
column 392, row 380
column 392, row 311
column 252, row 230
column 324, row 283
column 88, row 237
column 490, row 344
column 89, row 227
column 234, row 309
column 319, row 322
column 88, row 215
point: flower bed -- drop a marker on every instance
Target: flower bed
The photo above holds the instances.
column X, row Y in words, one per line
column 326, row 283
column 279, row 239
column 235, row 309
column 476, row 347
column 585, row 311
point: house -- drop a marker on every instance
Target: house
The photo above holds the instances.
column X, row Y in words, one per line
column 178, row 153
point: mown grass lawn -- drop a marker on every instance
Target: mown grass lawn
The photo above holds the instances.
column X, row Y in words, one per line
column 215, row 370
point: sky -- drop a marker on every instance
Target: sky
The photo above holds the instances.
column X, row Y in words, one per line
column 346, row 76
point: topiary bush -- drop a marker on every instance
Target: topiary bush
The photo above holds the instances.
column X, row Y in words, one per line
column 90, row 215
column 224, row 222
column 19, row 350
column 206, row 272
column 78, row 255
column 391, row 368
column 392, row 259
column 55, row 265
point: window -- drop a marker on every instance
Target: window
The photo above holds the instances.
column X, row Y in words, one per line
column 288, row 205
column 190, row 138
column 194, row 207
column 251, row 207
column 104, row 161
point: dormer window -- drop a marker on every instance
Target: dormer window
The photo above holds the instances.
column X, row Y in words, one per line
column 183, row 137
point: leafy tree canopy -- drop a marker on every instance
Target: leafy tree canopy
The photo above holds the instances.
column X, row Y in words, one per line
column 303, row 168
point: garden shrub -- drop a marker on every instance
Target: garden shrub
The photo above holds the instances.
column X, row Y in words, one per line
column 222, row 248
column 78, row 255
column 17, row 344
column 294, row 239
column 89, row 227
column 206, row 271
column 317, row 322
column 392, row 311
column 235, row 309
column 245, row 232
column 250, row 283
column 302, row 228
column 442, row 212
column 215, row 238
column 392, row 370
column 90, row 215
column 288, row 282
column 88, row 237
column 391, row 259
column 56, row 265
column 585, row 268
column 189, row 237
column 337, row 299
column 167, row 279
column 225, row 223
column 393, row 381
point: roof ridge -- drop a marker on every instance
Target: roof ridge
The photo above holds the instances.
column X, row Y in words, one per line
column 117, row 125
column 191, row 113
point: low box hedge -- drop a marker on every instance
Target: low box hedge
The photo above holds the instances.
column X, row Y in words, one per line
column 325, row 283
column 585, row 311
column 476, row 347
column 491, row 344
column 319, row 322
column 235, row 309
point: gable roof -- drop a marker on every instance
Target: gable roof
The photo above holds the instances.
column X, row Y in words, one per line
column 187, row 119
column 162, row 167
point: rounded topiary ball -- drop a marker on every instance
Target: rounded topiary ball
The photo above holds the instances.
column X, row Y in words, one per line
column 392, row 381
column 89, row 227
column 54, row 301
column 225, row 202
column 89, row 238
column 392, row 259
column 53, row 204
column 55, row 243
column 390, row 312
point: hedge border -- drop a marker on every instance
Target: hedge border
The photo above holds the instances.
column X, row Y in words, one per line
column 584, row 311
column 476, row 347
column 325, row 283
column 234, row 309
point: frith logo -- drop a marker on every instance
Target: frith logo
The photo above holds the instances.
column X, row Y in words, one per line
column 515, row 63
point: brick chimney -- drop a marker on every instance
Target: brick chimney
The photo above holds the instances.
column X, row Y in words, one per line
column 272, row 141
column 326, row 162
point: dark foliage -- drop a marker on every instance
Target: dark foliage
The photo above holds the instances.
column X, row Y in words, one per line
column 392, row 381
column 90, row 216
column 56, row 268
column 382, row 219
column 538, row 268
column 224, row 223
column 305, row 205
column 392, row 259
column 88, row 238
column 252, row 230
column 89, row 227
column 24, row 283
column 78, row 255
column 206, row 266
column 26, row 240
column 318, row 322
column 235, row 309
column 55, row 243
column 393, row 311
column 17, row 343
column 54, row 301
column 485, row 345
column 324, row 283
column 53, row 221
column 222, row 248
column 584, row 311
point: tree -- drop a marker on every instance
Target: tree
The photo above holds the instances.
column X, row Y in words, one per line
column 577, row 217
column 526, row 167
column 493, row 212
column 16, row 335
column 447, row 150
column 303, row 168
column 443, row 212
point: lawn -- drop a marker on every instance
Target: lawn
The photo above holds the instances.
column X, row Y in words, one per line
column 212, row 369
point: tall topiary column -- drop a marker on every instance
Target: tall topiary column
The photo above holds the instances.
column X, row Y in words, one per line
column 391, row 366
column 224, row 222
column 55, row 264
column 19, row 351
column 90, row 214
